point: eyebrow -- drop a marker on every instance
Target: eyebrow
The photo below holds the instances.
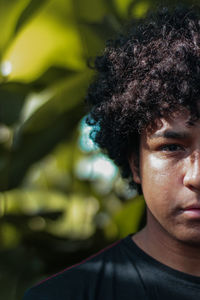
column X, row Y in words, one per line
column 170, row 134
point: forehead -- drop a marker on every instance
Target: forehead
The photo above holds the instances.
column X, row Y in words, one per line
column 178, row 122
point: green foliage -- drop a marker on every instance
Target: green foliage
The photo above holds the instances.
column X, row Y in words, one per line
column 54, row 211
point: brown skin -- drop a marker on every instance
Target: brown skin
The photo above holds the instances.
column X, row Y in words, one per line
column 169, row 173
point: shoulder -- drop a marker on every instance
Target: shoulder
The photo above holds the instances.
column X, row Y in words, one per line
column 108, row 273
column 77, row 278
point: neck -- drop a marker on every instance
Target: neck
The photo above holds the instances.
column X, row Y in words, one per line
column 169, row 251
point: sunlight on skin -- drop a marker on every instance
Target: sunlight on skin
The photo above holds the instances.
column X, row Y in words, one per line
column 169, row 175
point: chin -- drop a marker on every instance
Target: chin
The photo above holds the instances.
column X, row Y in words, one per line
column 191, row 237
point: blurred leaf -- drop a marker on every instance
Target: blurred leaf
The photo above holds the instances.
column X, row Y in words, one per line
column 77, row 222
column 55, row 101
column 28, row 13
column 138, row 8
column 19, row 220
column 48, row 125
column 54, row 171
column 128, row 218
column 96, row 23
column 122, row 6
column 91, row 11
column 42, row 43
column 92, row 43
column 30, row 203
column 106, row 29
column 9, row 14
column 74, row 219
column 12, row 95
column 10, row 235
column 52, row 75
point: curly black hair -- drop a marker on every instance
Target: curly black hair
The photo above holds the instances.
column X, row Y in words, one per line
column 149, row 72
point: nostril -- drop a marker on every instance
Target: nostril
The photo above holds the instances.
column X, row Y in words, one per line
column 192, row 182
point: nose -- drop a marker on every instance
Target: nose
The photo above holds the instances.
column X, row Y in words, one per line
column 192, row 176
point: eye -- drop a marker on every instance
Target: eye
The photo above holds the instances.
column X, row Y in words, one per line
column 171, row 148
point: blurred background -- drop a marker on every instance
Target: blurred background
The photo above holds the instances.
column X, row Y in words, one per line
column 61, row 200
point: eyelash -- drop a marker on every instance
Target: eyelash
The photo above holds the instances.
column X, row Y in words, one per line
column 178, row 148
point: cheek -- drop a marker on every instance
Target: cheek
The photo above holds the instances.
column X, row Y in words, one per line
column 159, row 171
column 159, row 181
column 155, row 171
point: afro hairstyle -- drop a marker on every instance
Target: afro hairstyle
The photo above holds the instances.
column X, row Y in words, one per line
column 150, row 71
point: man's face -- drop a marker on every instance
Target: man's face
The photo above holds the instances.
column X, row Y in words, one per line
column 170, row 177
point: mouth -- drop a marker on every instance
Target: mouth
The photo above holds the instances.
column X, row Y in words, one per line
column 192, row 211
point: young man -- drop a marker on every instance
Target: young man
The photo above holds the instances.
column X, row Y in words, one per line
column 145, row 109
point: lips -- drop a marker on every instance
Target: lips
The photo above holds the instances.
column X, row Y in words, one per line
column 193, row 206
column 192, row 211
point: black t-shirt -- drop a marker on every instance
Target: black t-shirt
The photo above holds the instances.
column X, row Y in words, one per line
column 120, row 272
